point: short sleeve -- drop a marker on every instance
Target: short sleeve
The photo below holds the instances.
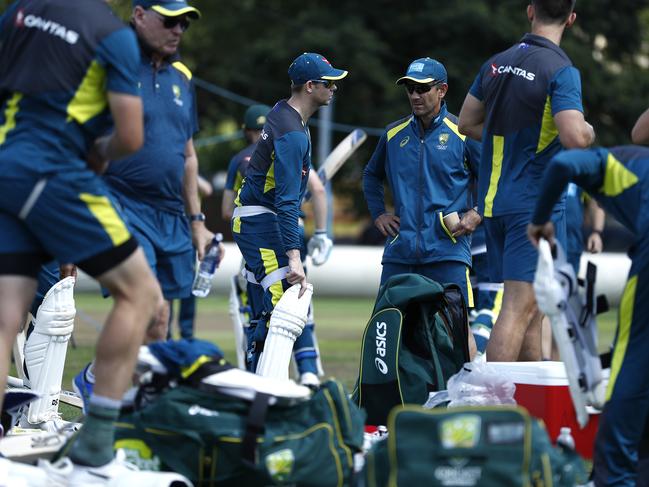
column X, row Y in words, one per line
column 565, row 90
column 120, row 55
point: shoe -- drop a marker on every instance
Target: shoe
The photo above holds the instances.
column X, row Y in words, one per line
column 83, row 387
column 310, row 380
column 15, row 474
column 55, row 424
column 119, row 472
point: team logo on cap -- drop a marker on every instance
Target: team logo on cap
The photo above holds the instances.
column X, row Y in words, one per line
column 416, row 67
column 325, row 60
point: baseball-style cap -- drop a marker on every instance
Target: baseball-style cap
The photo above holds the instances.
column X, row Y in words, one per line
column 169, row 8
column 255, row 117
column 425, row 70
column 310, row 66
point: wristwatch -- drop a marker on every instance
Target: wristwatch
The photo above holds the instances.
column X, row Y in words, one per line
column 198, row 217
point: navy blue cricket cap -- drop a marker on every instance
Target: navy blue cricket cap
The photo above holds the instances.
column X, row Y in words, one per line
column 255, row 117
column 310, row 66
column 425, row 70
column 169, row 8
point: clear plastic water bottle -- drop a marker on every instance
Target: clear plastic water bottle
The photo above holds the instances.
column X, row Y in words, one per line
column 565, row 439
column 207, row 268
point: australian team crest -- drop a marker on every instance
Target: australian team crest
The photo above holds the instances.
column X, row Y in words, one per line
column 462, row 431
column 176, row 90
column 280, row 464
column 443, row 140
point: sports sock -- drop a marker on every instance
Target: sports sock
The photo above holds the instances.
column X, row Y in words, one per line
column 94, row 444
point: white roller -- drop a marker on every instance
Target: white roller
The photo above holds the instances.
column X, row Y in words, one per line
column 45, row 350
column 286, row 324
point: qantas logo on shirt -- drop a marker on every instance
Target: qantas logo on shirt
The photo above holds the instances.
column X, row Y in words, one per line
column 48, row 26
column 496, row 70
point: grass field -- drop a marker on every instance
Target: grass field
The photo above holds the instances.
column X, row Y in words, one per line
column 339, row 325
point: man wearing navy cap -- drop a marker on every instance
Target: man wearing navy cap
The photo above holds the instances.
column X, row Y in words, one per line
column 429, row 167
column 157, row 187
column 265, row 218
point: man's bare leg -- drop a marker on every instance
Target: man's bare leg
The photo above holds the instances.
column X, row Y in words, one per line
column 16, row 295
column 509, row 331
column 531, row 349
column 159, row 328
column 136, row 293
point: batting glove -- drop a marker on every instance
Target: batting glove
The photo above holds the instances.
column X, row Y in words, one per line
column 319, row 247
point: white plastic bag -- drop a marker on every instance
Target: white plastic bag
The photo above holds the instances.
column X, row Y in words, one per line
column 478, row 384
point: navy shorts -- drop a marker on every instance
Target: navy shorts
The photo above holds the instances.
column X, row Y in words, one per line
column 512, row 257
column 167, row 243
column 69, row 216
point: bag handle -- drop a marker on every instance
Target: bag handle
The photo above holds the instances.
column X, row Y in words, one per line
column 255, row 427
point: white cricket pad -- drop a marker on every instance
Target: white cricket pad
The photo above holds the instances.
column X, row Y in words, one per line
column 46, row 347
column 574, row 327
column 286, row 324
column 236, row 316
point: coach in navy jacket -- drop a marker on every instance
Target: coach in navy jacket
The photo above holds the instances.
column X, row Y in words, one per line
column 430, row 169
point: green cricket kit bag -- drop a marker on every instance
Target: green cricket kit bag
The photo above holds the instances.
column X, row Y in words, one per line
column 221, row 426
column 469, row 446
column 416, row 339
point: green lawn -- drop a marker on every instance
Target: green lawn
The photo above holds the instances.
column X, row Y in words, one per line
column 339, row 326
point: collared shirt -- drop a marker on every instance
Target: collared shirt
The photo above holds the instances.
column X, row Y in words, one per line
column 155, row 173
column 429, row 173
column 58, row 60
column 522, row 89
column 279, row 170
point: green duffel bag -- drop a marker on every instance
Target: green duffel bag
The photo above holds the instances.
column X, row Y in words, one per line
column 469, row 446
column 416, row 339
column 217, row 439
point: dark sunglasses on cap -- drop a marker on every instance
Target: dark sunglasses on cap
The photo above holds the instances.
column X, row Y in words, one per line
column 421, row 88
column 172, row 22
column 326, row 82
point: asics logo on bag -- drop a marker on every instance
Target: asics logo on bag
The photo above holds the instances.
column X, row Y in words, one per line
column 381, row 343
column 195, row 410
column 48, row 26
column 515, row 70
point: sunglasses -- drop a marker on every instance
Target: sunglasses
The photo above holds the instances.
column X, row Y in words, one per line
column 172, row 22
column 421, row 89
column 326, row 82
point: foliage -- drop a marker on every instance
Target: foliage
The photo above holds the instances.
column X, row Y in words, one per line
column 246, row 46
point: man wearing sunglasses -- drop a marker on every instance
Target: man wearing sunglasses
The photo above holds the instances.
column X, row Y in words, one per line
column 157, row 187
column 265, row 218
column 429, row 168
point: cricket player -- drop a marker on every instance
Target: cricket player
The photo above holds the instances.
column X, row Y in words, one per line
column 618, row 178
column 66, row 69
column 265, row 219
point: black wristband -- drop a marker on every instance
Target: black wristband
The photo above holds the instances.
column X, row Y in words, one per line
column 198, row 217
